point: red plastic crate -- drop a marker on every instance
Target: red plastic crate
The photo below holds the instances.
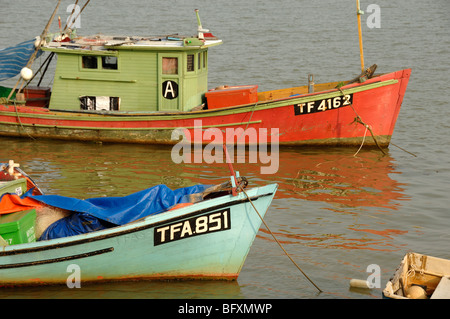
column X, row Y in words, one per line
column 37, row 96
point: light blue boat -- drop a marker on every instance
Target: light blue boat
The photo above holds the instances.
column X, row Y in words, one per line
column 209, row 239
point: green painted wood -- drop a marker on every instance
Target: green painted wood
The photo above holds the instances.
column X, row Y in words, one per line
column 132, row 82
column 138, row 80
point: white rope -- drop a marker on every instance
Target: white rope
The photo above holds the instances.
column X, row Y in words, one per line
column 364, row 138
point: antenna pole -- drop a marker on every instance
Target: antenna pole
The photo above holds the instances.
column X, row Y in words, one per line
column 359, row 12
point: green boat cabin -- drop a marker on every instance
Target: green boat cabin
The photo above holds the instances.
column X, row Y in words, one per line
column 130, row 74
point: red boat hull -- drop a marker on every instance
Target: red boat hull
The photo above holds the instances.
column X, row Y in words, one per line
column 355, row 113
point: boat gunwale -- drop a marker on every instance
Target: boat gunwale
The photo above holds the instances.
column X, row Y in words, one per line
column 155, row 116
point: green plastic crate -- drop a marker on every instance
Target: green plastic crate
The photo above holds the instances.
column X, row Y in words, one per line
column 5, row 91
column 18, row 186
column 18, row 228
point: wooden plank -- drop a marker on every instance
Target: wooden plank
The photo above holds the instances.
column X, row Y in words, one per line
column 442, row 290
column 284, row 93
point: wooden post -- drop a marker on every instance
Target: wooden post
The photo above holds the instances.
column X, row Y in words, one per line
column 310, row 83
column 71, row 14
column 41, row 39
column 359, row 13
column 233, row 174
column 71, row 23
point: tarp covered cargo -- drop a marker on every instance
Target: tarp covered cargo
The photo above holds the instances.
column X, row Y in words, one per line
column 102, row 212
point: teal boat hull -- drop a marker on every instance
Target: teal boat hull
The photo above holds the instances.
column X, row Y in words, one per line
column 207, row 240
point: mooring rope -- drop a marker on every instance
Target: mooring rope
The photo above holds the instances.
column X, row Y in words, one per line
column 248, row 122
column 265, row 224
column 364, row 138
column 404, row 150
column 358, row 119
column 20, row 122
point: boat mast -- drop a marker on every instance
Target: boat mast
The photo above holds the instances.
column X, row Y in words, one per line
column 359, row 12
column 71, row 22
column 38, row 47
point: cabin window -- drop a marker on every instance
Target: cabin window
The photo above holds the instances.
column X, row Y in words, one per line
column 169, row 65
column 190, row 63
column 204, row 59
column 89, row 62
column 100, row 103
column 199, row 62
column 109, row 62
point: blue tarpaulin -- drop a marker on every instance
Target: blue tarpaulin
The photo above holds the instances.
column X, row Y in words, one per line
column 74, row 224
column 13, row 59
column 98, row 213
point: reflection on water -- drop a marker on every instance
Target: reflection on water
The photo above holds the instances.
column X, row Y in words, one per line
column 338, row 177
column 341, row 241
column 331, row 175
column 126, row 290
column 332, row 199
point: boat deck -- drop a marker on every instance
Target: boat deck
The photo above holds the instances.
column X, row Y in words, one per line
column 298, row 90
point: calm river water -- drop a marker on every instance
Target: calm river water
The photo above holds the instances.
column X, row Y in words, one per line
column 335, row 212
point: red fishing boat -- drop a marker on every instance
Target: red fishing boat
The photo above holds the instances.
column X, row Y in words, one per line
column 154, row 90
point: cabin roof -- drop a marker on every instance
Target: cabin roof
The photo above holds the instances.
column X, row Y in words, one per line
column 101, row 42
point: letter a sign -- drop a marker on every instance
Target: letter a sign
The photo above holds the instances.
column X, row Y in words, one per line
column 170, row 89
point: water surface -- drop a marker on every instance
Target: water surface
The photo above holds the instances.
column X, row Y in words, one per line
column 335, row 212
